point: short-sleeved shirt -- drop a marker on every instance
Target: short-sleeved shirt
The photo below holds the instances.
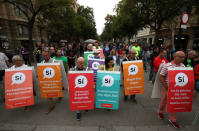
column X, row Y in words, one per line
column 21, row 67
column 70, row 53
column 157, row 62
column 164, row 71
column 137, row 49
column 98, row 47
column 63, row 59
column 102, row 67
column 51, row 60
column 3, row 59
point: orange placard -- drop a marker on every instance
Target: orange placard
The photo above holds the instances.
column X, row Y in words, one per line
column 49, row 76
column 18, row 88
column 133, row 77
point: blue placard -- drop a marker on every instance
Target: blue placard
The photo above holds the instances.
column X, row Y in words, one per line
column 107, row 90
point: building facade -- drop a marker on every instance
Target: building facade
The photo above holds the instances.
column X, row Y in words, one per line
column 14, row 27
column 182, row 38
column 144, row 37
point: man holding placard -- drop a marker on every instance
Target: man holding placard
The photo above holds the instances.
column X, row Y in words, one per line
column 88, row 54
column 164, row 80
column 51, row 77
column 81, row 86
column 95, row 63
column 132, row 69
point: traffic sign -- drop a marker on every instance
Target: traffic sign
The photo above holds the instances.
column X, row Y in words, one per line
column 185, row 18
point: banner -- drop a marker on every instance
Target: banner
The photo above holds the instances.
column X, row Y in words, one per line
column 108, row 89
column 49, row 76
column 133, row 77
column 180, row 91
column 81, row 91
column 95, row 63
column 87, row 56
column 18, row 88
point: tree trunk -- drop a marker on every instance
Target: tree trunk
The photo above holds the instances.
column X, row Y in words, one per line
column 172, row 38
column 30, row 45
column 30, row 35
column 157, row 32
column 41, row 35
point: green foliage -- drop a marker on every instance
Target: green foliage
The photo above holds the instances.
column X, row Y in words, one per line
column 64, row 23
column 133, row 15
column 126, row 23
column 58, row 18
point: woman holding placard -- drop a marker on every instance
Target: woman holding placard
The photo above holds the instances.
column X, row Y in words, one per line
column 18, row 64
column 109, row 64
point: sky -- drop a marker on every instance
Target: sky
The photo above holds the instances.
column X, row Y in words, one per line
column 101, row 9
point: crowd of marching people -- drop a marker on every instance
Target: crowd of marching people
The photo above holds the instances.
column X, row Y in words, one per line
column 156, row 61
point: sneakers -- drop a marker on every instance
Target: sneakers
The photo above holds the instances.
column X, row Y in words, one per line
column 50, row 109
column 135, row 101
column 161, row 116
column 78, row 117
column 175, row 124
column 125, row 98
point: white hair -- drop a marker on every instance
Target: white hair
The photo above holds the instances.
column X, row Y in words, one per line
column 16, row 57
column 191, row 52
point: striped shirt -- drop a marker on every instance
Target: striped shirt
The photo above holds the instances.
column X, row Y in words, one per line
column 164, row 71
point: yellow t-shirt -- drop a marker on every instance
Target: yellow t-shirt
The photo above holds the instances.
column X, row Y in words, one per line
column 102, row 67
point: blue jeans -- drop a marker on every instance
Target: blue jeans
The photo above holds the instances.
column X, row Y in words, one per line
column 151, row 73
column 132, row 97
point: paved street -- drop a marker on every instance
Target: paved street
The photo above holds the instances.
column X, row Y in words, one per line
column 129, row 117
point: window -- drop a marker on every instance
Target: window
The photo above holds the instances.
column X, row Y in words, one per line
column 23, row 30
column 0, row 24
column 17, row 10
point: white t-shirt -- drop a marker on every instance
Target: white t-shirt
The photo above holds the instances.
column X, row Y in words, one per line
column 3, row 59
column 23, row 66
column 115, row 59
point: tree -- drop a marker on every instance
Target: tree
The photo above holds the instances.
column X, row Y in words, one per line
column 156, row 12
column 88, row 25
column 107, row 34
column 32, row 8
column 126, row 23
column 64, row 23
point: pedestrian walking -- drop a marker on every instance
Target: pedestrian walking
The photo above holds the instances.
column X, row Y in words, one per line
column 153, row 55
column 161, row 58
column 59, row 56
column 71, row 55
column 48, row 59
column 131, row 57
column 163, row 77
column 4, row 64
column 80, row 66
column 18, row 64
column 189, row 60
column 26, row 55
column 196, row 74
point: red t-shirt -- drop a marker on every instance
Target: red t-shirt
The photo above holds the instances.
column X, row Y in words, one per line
column 196, row 72
column 158, row 61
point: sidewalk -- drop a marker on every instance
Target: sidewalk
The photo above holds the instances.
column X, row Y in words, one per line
column 91, row 128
